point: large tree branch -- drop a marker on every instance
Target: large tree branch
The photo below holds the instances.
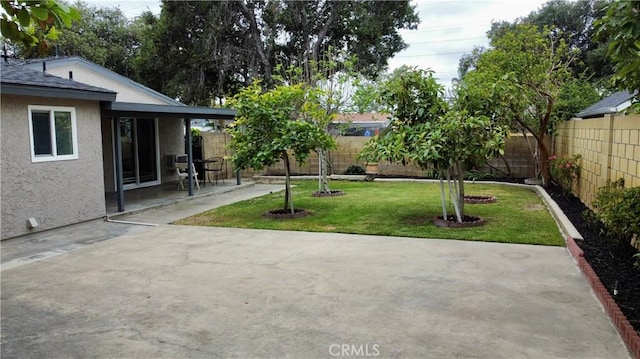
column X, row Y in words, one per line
column 325, row 29
column 522, row 123
column 255, row 35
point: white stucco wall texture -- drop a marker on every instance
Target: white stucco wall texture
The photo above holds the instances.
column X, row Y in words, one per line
column 55, row 193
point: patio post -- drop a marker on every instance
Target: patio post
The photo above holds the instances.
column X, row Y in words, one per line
column 118, row 150
column 189, row 147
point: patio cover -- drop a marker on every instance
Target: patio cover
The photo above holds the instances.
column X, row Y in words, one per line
column 118, row 110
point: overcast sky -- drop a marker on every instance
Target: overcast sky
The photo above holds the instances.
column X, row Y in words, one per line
column 448, row 29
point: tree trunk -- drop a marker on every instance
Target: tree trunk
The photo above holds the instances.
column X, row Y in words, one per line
column 442, row 198
column 543, row 153
column 506, row 164
column 453, row 194
column 288, row 199
column 323, row 186
column 460, row 188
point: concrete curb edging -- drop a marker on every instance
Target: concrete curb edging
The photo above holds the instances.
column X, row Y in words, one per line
column 629, row 335
column 626, row 331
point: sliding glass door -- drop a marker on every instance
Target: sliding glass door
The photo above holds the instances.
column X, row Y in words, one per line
column 139, row 143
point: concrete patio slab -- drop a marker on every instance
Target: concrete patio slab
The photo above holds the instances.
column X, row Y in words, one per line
column 195, row 292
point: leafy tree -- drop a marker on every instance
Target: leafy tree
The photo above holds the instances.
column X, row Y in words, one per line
column 622, row 25
column 426, row 132
column 35, row 22
column 210, row 49
column 196, row 51
column 365, row 97
column 469, row 61
column 101, row 35
column 572, row 21
column 519, row 81
column 576, row 95
column 275, row 125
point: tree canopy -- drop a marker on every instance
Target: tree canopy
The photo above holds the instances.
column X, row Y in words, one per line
column 101, row 35
column 426, row 131
column 622, row 25
column 519, row 82
column 275, row 124
column 35, row 23
column 210, row 49
column 573, row 22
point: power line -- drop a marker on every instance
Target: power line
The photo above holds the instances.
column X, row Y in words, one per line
column 446, row 27
column 452, row 40
column 433, row 54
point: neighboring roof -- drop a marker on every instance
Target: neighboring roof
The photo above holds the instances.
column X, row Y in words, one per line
column 614, row 103
column 73, row 60
column 136, row 109
column 362, row 117
column 18, row 80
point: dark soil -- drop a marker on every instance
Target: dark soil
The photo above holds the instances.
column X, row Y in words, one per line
column 479, row 199
column 285, row 214
column 332, row 193
column 452, row 222
column 613, row 265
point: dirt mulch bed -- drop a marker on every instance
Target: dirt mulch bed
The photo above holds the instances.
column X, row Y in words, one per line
column 613, row 265
column 479, row 199
column 285, row 214
column 451, row 221
column 332, row 193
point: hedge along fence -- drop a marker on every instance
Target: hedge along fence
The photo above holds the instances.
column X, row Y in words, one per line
column 517, row 155
column 610, row 149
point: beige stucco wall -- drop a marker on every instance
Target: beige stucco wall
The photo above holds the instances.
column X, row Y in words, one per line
column 171, row 143
column 125, row 93
column 54, row 193
column 610, row 149
column 517, row 155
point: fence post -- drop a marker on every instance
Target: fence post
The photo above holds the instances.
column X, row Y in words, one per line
column 609, row 147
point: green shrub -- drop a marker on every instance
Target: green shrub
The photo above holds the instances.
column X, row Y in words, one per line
column 564, row 170
column 475, row 175
column 355, row 170
column 619, row 210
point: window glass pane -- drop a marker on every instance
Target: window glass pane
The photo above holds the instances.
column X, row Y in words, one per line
column 41, row 133
column 64, row 136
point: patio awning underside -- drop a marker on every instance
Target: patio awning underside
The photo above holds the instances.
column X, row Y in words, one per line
column 126, row 109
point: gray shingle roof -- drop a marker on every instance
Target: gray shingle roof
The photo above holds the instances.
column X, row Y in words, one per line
column 16, row 79
column 17, row 74
column 608, row 105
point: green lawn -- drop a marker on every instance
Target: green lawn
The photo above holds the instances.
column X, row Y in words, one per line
column 400, row 209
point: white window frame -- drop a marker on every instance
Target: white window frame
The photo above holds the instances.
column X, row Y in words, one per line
column 74, row 133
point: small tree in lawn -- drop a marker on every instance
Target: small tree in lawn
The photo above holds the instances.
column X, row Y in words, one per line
column 332, row 82
column 425, row 131
column 275, row 125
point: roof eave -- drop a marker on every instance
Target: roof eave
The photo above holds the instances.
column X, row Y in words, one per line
column 180, row 111
column 56, row 92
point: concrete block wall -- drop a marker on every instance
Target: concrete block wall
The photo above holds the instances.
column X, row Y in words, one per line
column 610, row 149
column 344, row 155
column 518, row 156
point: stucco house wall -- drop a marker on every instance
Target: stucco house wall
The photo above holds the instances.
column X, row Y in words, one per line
column 170, row 144
column 55, row 193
